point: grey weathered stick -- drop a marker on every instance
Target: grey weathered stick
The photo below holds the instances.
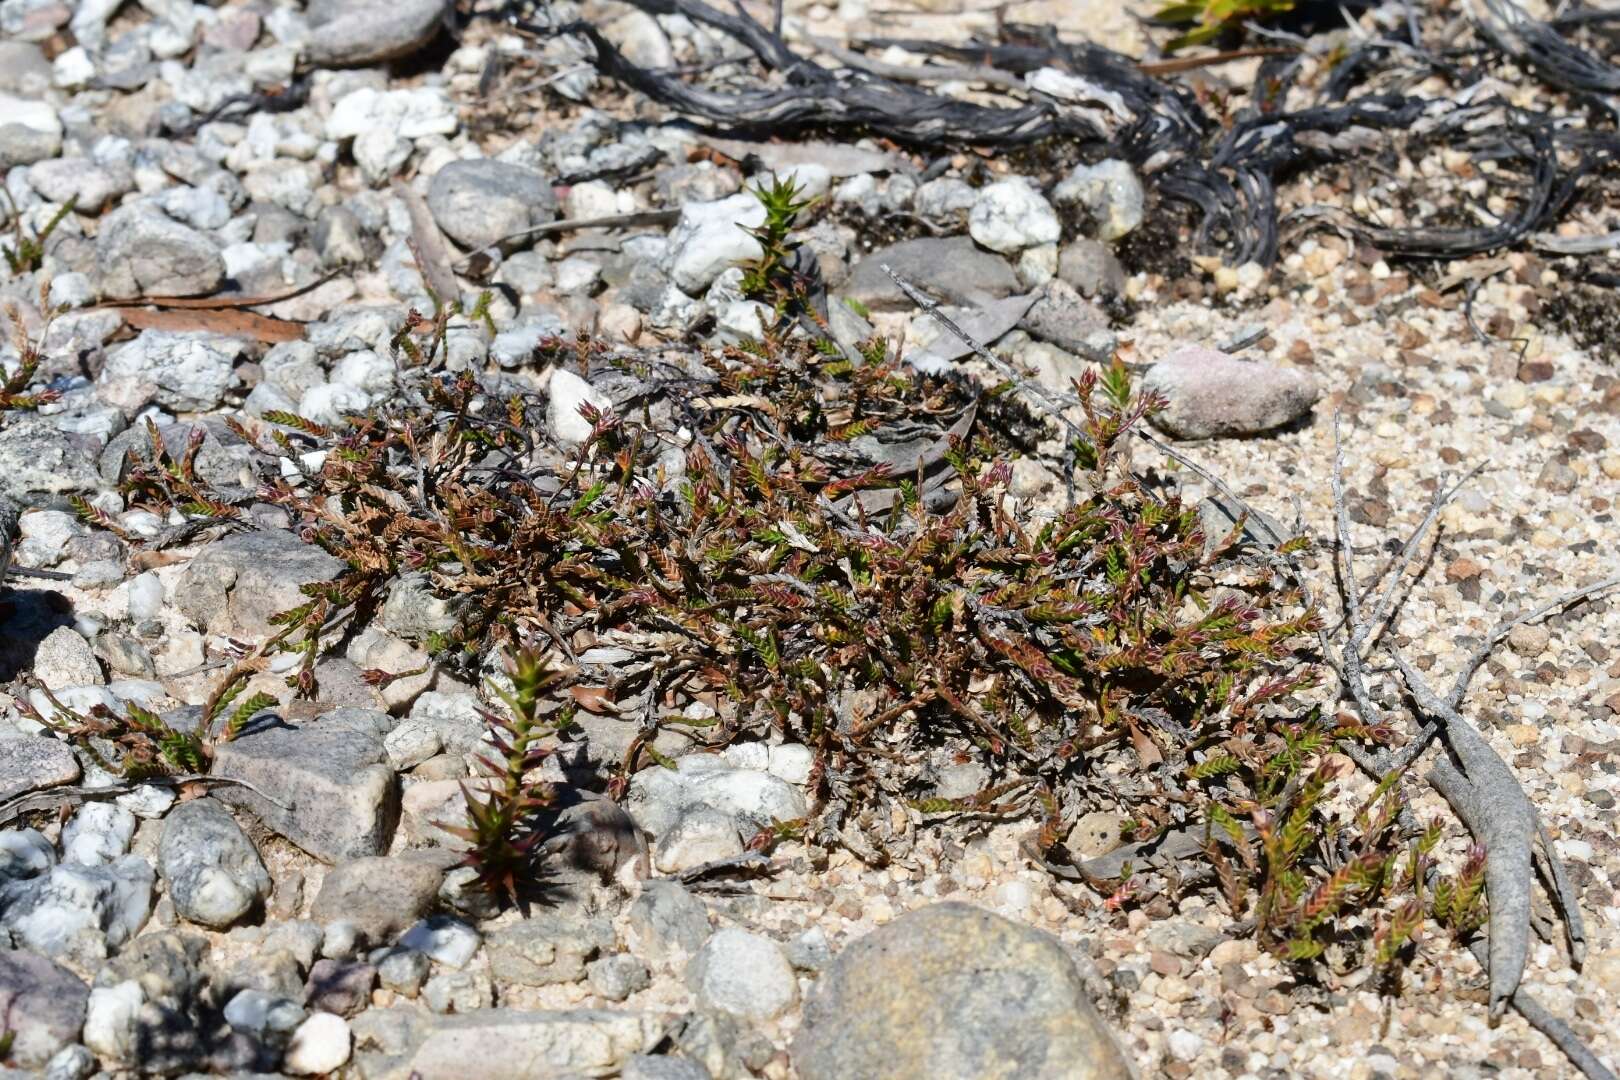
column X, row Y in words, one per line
column 431, row 255
column 1352, row 595
column 610, row 221
column 1398, row 571
column 1499, row 815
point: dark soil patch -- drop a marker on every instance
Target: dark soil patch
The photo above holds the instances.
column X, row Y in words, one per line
column 1588, row 314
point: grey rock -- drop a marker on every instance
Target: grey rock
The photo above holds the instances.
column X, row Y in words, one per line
column 404, row 971
column 30, row 131
column 321, row 1045
column 24, row 853
column 340, row 987
column 98, row 834
column 224, row 460
column 1212, row 394
column 337, row 796
column 1111, row 191
column 339, row 940
column 480, row 202
column 167, row 965
column 111, row 1019
column 38, row 459
column 188, row 372
column 1066, row 319
column 515, row 345
column 618, row 976
column 644, row 286
column 299, row 938
column 34, row 763
column 1182, row 937
column 945, row 199
column 810, row 951
column 1091, row 268
column 214, row 872
column 724, row 1045
column 445, row 940
column 712, row 237
column 23, row 67
column 700, row 834
column 141, row 252
column 510, row 1044
column 413, row 612
column 79, row 179
column 950, row 269
column 79, row 910
column 458, row 992
column 662, row 1067
column 744, row 974
column 952, row 992
column 753, row 798
column 144, row 1008
column 65, row 659
column 545, row 950
column 273, row 971
column 666, row 922
column 567, row 392
column 264, row 1016
column 1011, row 215
column 202, row 208
column 346, row 32
column 987, row 323
column 71, row 1063
column 410, row 744
column 43, row 1006
column 293, row 367
column 454, row 716
column 341, row 239
column 234, row 585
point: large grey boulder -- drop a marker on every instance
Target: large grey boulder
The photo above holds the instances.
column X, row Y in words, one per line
column 953, row 992
column 187, row 372
column 382, row 896
column 32, row 762
column 352, row 32
column 214, row 872
column 37, row 458
column 143, row 252
column 481, row 201
column 951, row 269
column 234, row 585
column 325, row 785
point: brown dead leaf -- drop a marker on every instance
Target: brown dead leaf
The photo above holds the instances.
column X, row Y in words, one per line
column 234, row 322
column 1147, row 751
column 594, row 699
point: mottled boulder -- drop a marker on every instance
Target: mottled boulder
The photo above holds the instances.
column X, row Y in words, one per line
column 1212, row 394
column 953, row 992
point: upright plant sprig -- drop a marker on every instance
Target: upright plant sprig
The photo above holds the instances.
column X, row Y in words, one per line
column 770, row 278
column 27, row 252
column 500, row 823
column 14, row 393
